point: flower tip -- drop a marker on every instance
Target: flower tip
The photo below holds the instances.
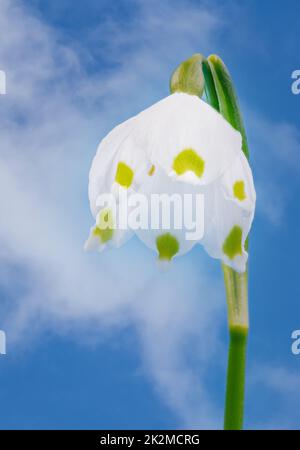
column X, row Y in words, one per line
column 217, row 62
column 196, row 58
column 163, row 264
column 188, row 76
column 214, row 58
column 101, row 247
column 89, row 245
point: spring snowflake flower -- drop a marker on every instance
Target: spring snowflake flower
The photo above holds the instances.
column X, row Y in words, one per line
column 180, row 144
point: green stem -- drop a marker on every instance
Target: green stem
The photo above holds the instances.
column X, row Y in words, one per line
column 237, row 304
column 221, row 95
column 234, row 403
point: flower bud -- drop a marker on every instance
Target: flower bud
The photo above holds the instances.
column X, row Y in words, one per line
column 188, row 77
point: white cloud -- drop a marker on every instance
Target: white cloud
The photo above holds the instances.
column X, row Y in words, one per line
column 280, row 140
column 267, row 191
column 51, row 118
column 283, row 384
column 186, row 329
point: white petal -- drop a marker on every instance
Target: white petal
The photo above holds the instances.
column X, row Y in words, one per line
column 102, row 172
column 130, row 166
column 101, row 237
column 237, row 183
column 169, row 240
column 188, row 138
column 119, row 158
column 227, row 225
column 93, row 242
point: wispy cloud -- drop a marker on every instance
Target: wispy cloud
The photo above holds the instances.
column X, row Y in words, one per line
column 283, row 384
column 51, row 119
column 280, row 140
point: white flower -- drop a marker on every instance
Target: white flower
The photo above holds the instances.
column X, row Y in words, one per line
column 180, row 144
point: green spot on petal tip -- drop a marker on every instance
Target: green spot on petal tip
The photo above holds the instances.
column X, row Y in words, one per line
column 188, row 76
column 167, row 246
column 104, row 229
column 188, row 160
column 233, row 243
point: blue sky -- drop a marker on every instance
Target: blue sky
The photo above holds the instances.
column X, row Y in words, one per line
column 106, row 341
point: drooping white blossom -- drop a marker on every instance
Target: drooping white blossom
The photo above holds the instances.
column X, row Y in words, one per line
column 179, row 145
